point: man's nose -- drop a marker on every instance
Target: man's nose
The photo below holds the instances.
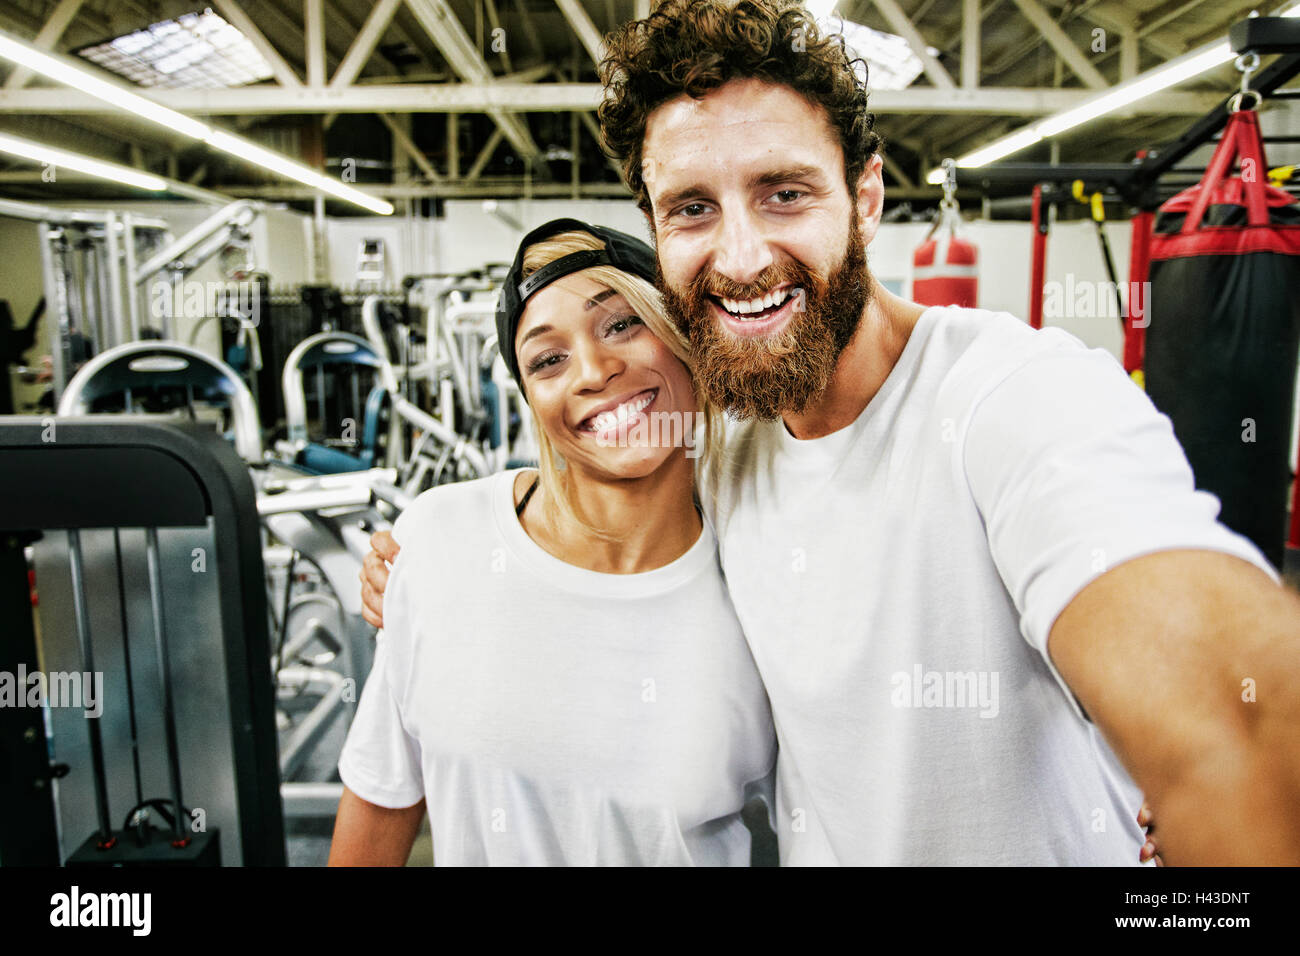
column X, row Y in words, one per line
column 742, row 251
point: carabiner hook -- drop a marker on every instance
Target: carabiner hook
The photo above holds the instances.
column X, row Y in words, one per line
column 949, row 183
column 1246, row 64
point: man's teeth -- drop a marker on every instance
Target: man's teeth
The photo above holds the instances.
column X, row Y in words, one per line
column 747, row 306
column 612, row 419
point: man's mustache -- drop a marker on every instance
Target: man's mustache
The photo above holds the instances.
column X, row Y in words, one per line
column 719, row 287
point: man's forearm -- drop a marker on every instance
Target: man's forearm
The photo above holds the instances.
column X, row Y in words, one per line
column 1189, row 663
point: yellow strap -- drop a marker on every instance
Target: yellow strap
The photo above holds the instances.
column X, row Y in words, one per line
column 1098, row 208
column 1139, row 377
column 1281, row 174
column 1094, row 201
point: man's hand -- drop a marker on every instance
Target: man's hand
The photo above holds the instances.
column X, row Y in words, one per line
column 1189, row 663
column 374, row 576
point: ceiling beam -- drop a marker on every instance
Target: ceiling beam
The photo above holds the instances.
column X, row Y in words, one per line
column 49, row 35
column 589, row 121
column 500, row 187
column 1118, row 20
column 583, row 26
column 497, row 187
column 241, row 21
column 367, row 39
column 407, row 146
column 1062, row 44
column 313, row 28
column 439, row 21
column 897, row 171
column 504, row 98
column 901, row 25
column 494, row 21
column 484, row 154
column 970, row 44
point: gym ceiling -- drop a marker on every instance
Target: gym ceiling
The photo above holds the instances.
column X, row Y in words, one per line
column 422, row 104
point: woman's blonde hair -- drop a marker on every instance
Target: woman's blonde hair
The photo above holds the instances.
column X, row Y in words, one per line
column 648, row 306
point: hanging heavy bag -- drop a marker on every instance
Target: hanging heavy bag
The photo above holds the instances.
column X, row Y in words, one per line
column 945, row 268
column 1221, row 348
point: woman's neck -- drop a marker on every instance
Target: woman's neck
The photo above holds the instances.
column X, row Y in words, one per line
column 653, row 519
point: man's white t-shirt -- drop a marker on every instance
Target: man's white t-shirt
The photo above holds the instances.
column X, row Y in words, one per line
column 897, row 581
column 554, row 715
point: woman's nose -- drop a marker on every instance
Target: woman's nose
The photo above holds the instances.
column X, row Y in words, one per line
column 595, row 365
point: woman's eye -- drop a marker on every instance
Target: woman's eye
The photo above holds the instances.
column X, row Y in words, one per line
column 622, row 324
column 544, row 361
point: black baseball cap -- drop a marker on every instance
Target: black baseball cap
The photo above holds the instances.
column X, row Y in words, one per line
column 621, row 251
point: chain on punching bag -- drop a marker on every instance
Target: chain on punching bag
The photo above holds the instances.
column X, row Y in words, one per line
column 945, row 268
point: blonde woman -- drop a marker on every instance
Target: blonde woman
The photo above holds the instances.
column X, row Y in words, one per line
column 561, row 678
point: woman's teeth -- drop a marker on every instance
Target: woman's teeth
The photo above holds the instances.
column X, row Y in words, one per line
column 738, row 307
column 612, row 419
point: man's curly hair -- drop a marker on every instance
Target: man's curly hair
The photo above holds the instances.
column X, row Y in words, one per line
column 695, row 46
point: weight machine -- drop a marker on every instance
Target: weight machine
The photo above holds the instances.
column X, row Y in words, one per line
column 150, row 576
column 87, row 260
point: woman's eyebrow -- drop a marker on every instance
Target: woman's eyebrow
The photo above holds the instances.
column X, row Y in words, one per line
column 534, row 331
column 598, row 298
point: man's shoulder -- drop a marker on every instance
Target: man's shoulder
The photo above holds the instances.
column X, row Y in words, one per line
column 971, row 351
column 985, row 337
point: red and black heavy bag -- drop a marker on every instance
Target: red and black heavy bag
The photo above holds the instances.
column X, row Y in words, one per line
column 945, row 268
column 1221, row 348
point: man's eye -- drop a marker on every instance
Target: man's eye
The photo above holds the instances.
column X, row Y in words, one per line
column 787, row 196
column 698, row 208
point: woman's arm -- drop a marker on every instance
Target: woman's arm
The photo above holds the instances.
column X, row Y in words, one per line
column 366, row 834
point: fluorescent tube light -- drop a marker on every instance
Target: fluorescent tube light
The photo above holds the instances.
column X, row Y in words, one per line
column 117, row 95
column 40, row 153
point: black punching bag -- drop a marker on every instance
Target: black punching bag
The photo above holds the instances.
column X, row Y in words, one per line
column 1221, row 349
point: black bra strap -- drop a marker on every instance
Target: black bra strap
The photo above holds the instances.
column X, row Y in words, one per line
column 523, row 502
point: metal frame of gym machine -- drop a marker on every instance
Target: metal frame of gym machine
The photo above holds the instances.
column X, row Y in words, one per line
column 108, row 241
column 175, row 487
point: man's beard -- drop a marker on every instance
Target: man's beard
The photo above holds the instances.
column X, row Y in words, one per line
column 766, row 376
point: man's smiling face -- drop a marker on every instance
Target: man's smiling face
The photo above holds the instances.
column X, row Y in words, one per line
column 761, row 255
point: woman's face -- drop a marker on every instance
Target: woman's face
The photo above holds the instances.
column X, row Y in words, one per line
column 609, row 393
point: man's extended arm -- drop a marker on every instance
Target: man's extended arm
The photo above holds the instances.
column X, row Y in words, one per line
column 1189, row 663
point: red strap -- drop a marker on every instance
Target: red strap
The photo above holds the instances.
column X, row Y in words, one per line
column 1293, row 540
column 1241, row 138
column 1139, row 272
column 1039, row 259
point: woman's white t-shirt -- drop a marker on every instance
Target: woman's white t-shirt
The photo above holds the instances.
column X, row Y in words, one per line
column 554, row 715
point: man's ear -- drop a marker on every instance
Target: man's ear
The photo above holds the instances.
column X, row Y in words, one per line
column 870, row 198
